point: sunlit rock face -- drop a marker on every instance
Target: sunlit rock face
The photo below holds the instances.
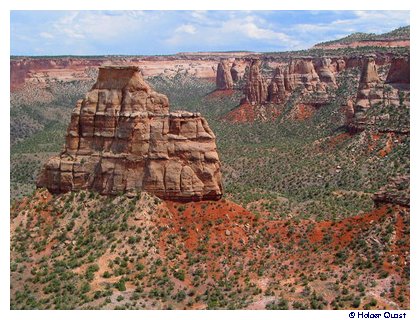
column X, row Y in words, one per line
column 122, row 138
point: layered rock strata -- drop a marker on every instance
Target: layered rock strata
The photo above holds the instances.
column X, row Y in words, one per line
column 122, row 138
column 302, row 73
column 397, row 83
column 399, row 73
column 370, row 90
column 256, row 88
column 325, row 71
column 268, row 97
column 339, row 65
column 394, row 92
column 397, row 191
column 277, row 92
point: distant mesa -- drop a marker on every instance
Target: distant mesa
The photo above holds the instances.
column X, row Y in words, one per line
column 122, row 138
column 396, row 38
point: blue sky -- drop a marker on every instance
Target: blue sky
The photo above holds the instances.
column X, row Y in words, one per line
column 166, row 32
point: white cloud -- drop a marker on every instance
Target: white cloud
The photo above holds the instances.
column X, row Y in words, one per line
column 364, row 21
column 251, row 30
column 255, row 32
column 46, row 35
column 98, row 25
column 170, row 31
column 306, row 27
column 186, row 28
column 358, row 21
column 200, row 16
column 73, row 33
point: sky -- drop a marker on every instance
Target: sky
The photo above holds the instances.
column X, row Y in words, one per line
column 168, row 32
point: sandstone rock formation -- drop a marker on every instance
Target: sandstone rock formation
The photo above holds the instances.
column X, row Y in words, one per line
column 369, row 73
column 395, row 93
column 224, row 78
column 237, row 70
column 397, row 83
column 399, row 73
column 325, row 73
column 256, row 87
column 315, row 80
column 348, row 112
column 277, row 92
column 268, row 98
column 369, row 91
column 122, row 138
column 301, row 72
column 397, row 191
column 340, row 65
